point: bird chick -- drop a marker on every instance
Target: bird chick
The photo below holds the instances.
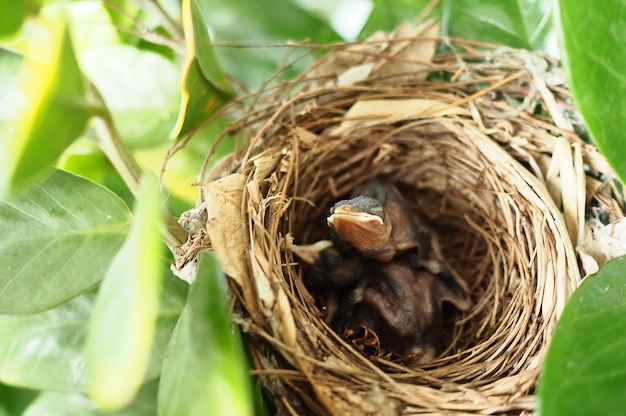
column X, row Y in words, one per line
column 330, row 268
column 332, row 272
column 403, row 305
column 377, row 222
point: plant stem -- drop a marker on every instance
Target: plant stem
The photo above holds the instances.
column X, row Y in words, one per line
column 119, row 156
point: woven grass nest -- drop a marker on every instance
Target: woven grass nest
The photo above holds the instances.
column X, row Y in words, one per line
column 480, row 141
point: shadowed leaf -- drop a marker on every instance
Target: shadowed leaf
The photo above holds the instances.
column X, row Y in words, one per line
column 269, row 22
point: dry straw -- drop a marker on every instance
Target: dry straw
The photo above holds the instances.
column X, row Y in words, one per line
column 480, row 141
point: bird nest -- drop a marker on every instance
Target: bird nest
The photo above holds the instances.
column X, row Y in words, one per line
column 481, row 142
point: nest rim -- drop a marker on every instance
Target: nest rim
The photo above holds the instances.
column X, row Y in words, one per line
column 496, row 348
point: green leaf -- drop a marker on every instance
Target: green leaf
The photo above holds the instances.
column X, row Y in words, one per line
column 203, row 48
column 585, row 368
column 14, row 400
column 56, row 241
column 56, row 116
column 593, row 40
column 523, row 24
column 205, row 89
column 204, row 372
column 518, row 23
column 85, row 158
column 125, row 14
column 140, row 89
column 200, row 100
column 387, row 14
column 75, row 404
column 12, row 99
column 12, row 16
column 122, row 327
column 46, row 351
column 253, row 22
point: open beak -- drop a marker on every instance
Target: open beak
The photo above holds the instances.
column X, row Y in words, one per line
column 345, row 217
column 367, row 233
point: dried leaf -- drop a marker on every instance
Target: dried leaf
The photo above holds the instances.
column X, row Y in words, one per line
column 601, row 243
column 565, row 182
column 306, row 138
column 265, row 163
column 225, row 224
column 355, row 75
column 373, row 112
column 412, row 56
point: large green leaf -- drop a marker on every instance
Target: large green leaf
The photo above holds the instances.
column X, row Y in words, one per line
column 593, row 40
column 56, row 241
column 56, row 116
column 204, row 372
column 140, row 89
column 122, row 327
column 12, row 103
column 585, row 368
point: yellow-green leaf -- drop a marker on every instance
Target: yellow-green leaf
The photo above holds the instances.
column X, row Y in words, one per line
column 205, row 88
column 12, row 16
column 124, row 318
column 55, row 117
column 199, row 41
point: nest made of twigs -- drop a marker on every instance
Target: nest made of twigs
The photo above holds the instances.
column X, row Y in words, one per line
column 480, row 140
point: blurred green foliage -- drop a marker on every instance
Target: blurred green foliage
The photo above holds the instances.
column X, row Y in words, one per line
column 126, row 79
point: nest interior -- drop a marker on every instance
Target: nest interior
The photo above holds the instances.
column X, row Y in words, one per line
column 480, row 141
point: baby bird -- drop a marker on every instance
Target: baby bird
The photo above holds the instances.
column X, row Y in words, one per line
column 382, row 274
column 403, row 305
column 377, row 222
column 330, row 268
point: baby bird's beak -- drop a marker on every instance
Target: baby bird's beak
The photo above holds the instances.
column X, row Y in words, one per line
column 368, row 233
